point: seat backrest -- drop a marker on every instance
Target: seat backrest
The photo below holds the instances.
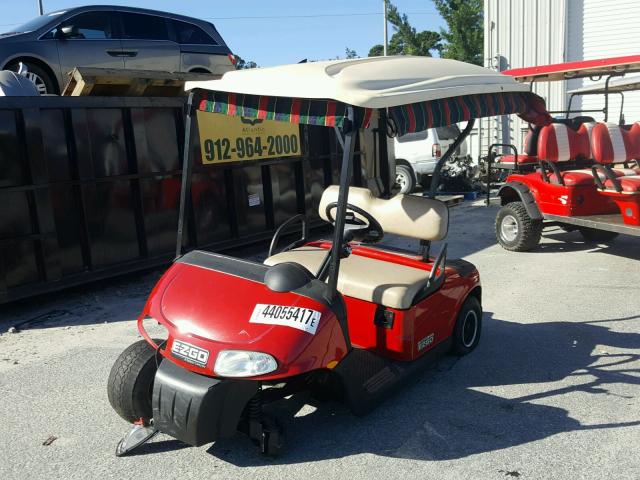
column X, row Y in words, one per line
column 407, row 215
column 634, row 132
column 559, row 143
column 611, row 144
column 587, row 129
column 530, row 146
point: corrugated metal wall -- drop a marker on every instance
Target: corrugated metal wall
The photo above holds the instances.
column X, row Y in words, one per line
column 525, row 33
column 521, row 33
column 599, row 29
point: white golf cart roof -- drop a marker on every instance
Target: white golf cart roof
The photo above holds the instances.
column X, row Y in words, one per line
column 374, row 82
column 621, row 84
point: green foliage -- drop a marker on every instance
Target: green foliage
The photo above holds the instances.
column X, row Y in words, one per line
column 241, row 63
column 350, row 53
column 464, row 37
column 407, row 40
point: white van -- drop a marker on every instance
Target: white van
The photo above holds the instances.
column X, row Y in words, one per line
column 417, row 154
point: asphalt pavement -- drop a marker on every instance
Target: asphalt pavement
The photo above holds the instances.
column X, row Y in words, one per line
column 551, row 392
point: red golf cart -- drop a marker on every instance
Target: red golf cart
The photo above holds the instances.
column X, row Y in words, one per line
column 338, row 316
column 574, row 172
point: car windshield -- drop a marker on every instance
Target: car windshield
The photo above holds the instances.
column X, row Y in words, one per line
column 36, row 23
column 450, row 132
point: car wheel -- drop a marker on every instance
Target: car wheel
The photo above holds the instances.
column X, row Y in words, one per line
column 466, row 333
column 405, row 179
column 594, row 235
column 515, row 229
column 130, row 383
column 43, row 81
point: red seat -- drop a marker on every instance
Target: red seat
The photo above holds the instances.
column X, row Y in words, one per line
column 522, row 159
column 574, row 178
column 611, row 144
column 529, row 149
column 628, row 184
column 559, row 143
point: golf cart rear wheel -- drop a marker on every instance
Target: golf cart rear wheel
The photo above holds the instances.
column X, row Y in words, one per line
column 130, row 383
column 515, row 229
column 594, row 235
column 466, row 333
column 405, row 180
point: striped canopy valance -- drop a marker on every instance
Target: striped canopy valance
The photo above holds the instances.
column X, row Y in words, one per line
column 413, row 117
column 326, row 113
column 416, row 117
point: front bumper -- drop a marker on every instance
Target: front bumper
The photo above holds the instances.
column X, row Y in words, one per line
column 424, row 168
column 197, row 409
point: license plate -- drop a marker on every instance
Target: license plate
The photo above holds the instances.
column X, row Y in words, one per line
column 304, row 319
column 190, row 353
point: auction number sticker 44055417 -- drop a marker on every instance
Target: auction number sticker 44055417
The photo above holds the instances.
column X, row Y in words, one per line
column 231, row 139
column 302, row 318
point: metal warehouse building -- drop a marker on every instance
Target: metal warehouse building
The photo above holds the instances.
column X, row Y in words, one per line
column 524, row 33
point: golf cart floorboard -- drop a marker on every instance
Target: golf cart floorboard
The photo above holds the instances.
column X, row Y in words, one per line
column 612, row 223
column 369, row 378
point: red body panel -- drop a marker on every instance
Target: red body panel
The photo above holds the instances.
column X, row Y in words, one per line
column 211, row 310
column 565, row 200
column 435, row 315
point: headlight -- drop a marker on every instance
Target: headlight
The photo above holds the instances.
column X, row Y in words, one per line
column 241, row 363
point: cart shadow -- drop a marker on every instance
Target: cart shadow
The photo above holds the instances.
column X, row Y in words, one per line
column 623, row 246
column 450, row 414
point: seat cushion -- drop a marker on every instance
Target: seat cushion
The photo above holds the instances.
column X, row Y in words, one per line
column 585, row 176
column 369, row 279
column 629, row 184
column 574, row 178
column 522, row 159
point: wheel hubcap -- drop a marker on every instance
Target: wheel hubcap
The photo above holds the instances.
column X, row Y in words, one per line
column 509, row 228
column 401, row 180
column 38, row 82
column 469, row 328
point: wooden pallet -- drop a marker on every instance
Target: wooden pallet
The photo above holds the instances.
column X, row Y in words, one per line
column 108, row 82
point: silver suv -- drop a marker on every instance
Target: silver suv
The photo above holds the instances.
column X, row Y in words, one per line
column 51, row 45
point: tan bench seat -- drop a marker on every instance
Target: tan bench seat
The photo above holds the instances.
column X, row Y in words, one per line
column 369, row 279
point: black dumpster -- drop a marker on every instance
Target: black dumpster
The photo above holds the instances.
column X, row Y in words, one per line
column 89, row 188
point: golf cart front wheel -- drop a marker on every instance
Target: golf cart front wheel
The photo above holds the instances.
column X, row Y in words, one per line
column 130, row 383
column 515, row 229
column 594, row 235
column 466, row 333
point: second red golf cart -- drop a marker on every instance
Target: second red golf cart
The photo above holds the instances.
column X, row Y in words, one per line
column 574, row 172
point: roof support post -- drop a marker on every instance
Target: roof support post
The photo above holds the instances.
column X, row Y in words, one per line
column 343, row 198
column 187, row 167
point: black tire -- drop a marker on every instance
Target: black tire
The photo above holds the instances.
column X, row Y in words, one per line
column 41, row 78
column 405, row 179
column 594, row 235
column 515, row 229
column 466, row 333
column 130, row 383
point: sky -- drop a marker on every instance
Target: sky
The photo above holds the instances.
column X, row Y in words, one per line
column 316, row 30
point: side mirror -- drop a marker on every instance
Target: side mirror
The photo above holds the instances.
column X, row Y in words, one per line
column 68, row 31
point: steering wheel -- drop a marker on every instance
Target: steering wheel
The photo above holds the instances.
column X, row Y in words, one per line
column 359, row 224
